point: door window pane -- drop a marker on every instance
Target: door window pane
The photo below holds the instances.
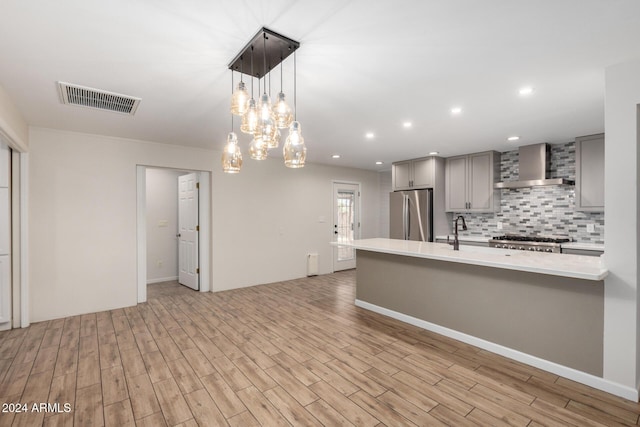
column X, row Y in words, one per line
column 346, row 227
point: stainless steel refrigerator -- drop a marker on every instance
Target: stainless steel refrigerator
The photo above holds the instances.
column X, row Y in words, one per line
column 411, row 215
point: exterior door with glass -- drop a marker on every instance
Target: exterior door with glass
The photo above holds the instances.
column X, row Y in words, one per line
column 346, row 223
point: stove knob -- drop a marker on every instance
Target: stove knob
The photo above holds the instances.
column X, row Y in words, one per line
column 539, row 249
column 512, row 247
column 532, row 249
column 522, row 248
column 548, row 250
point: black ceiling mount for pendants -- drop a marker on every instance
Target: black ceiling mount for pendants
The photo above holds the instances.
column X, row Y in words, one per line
column 268, row 45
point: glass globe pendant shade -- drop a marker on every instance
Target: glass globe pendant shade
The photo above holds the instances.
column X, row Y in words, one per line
column 294, row 150
column 250, row 118
column 231, row 156
column 282, row 112
column 267, row 129
column 239, row 100
column 258, row 149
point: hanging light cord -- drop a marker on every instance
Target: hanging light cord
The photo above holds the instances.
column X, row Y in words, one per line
column 264, row 59
column 252, row 72
column 232, row 93
column 281, row 59
column 295, row 88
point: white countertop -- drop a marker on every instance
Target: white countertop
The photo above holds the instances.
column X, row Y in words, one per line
column 478, row 239
column 577, row 266
column 584, row 246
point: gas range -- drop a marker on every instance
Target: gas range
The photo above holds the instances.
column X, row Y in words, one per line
column 552, row 244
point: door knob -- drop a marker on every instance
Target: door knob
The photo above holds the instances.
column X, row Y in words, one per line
column 335, row 232
column 178, row 235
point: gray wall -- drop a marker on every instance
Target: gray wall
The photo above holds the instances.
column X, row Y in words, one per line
column 542, row 210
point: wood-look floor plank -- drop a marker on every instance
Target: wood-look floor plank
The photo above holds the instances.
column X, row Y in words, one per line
column 352, row 412
column 156, row 366
column 132, row 362
column 258, row 377
column 481, row 402
column 88, row 410
column 143, row 397
column 45, row 360
column 172, row 403
column 153, row 420
column 261, row 408
column 226, row 399
column 422, row 397
column 289, row 382
column 388, row 415
column 15, row 379
column 244, row 419
column 63, row 391
column 205, row 412
column 114, row 386
column 119, row 414
column 289, row 407
column 184, row 375
column 327, row 415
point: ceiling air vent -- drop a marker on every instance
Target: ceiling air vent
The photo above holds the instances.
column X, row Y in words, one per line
column 97, row 98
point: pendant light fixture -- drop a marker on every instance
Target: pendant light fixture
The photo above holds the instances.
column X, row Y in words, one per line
column 231, row 155
column 294, row 150
column 239, row 98
column 281, row 110
column 263, row 119
column 267, row 130
column 250, row 118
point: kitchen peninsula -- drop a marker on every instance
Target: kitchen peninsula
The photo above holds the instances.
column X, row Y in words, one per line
column 546, row 310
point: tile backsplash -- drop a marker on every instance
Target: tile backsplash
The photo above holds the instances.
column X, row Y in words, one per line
column 539, row 210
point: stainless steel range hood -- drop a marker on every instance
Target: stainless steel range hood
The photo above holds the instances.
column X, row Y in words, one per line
column 533, row 162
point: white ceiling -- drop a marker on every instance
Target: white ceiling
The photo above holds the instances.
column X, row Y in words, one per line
column 363, row 66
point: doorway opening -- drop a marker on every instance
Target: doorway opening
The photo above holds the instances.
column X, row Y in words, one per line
column 346, row 223
column 173, row 227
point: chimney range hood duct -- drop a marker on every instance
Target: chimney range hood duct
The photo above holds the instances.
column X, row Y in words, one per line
column 533, row 162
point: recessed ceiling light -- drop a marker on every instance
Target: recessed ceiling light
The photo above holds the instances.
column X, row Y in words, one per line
column 513, row 138
column 369, row 135
column 434, row 153
column 335, row 156
column 407, row 124
column 456, row 110
column 524, row 91
column 379, row 163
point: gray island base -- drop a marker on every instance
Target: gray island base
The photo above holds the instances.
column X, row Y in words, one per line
column 553, row 318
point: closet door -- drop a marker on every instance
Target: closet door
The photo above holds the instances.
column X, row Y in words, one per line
column 5, row 240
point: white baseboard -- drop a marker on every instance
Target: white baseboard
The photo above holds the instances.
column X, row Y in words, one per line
column 162, row 279
column 564, row 371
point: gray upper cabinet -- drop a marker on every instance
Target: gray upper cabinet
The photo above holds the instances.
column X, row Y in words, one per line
column 590, row 173
column 413, row 174
column 469, row 182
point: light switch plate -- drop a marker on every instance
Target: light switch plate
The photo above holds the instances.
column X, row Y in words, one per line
column 591, row 228
column 163, row 223
column 499, row 226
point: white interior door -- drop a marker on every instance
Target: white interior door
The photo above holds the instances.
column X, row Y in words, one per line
column 5, row 240
column 188, row 228
column 346, row 223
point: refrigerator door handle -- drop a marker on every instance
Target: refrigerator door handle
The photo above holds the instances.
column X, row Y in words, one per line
column 408, row 217
column 404, row 217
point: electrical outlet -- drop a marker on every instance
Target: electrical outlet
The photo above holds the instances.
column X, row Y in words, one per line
column 499, row 226
column 591, row 228
column 163, row 223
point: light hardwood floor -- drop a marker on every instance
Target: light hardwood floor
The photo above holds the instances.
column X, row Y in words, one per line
column 289, row 353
